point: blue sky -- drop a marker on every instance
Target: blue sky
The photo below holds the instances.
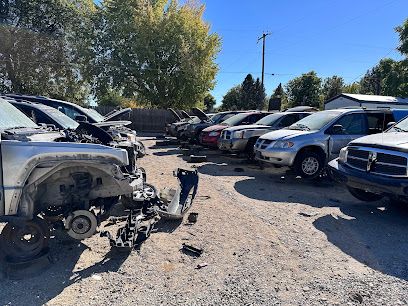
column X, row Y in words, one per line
column 341, row 37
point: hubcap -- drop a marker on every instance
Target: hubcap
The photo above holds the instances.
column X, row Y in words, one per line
column 310, row 165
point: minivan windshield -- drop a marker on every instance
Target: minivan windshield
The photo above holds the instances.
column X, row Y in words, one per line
column 234, row 120
column 65, row 121
column 315, row 121
column 269, row 120
column 12, row 118
column 401, row 126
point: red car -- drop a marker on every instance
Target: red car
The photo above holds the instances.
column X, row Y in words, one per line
column 209, row 136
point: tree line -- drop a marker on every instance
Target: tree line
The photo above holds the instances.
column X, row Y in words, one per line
column 389, row 78
column 155, row 53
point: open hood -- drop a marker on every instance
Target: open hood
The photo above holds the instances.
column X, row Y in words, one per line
column 175, row 115
column 112, row 123
column 185, row 115
column 200, row 114
column 115, row 115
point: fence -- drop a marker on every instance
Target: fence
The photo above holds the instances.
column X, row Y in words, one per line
column 144, row 120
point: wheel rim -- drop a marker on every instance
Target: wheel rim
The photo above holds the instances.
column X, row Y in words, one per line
column 147, row 192
column 25, row 242
column 310, row 165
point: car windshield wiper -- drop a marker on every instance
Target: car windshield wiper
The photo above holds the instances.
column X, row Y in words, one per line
column 398, row 129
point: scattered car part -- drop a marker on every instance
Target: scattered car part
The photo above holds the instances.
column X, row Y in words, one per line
column 192, row 217
column 192, row 249
column 81, row 224
column 197, row 159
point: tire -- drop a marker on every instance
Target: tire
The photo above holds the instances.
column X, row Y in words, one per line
column 249, row 150
column 363, row 195
column 309, row 164
column 26, row 240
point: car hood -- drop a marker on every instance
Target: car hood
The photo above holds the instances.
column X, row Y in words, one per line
column 117, row 114
column 396, row 140
column 214, row 128
column 175, row 115
column 285, row 134
column 200, row 114
column 248, row 127
column 112, row 123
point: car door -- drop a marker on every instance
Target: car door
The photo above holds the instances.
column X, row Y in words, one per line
column 354, row 126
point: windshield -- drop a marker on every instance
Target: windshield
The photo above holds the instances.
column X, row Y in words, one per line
column 234, row 120
column 93, row 114
column 315, row 121
column 11, row 117
column 65, row 121
column 269, row 120
column 401, row 126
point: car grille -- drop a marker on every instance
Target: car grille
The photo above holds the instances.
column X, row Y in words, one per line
column 373, row 161
column 263, row 143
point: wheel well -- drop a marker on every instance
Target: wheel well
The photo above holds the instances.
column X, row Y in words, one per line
column 315, row 149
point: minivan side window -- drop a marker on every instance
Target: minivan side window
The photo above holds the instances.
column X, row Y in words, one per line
column 353, row 124
column 288, row 120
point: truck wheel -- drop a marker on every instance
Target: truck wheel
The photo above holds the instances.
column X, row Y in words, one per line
column 25, row 241
column 309, row 164
column 363, row 195
column 249, row 150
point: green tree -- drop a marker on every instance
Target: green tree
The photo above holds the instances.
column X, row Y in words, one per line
column 403, row 37
column 279, row 93
column 332, row 87
column 232, row 99
column 353, row 88
column 159, row 50
column 304, row 90
column 209, row 102
column 41, row 47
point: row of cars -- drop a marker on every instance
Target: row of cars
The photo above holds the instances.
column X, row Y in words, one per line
column 65, row 166
column 365, row 149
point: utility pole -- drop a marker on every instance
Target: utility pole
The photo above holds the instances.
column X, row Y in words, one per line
column 263, row 37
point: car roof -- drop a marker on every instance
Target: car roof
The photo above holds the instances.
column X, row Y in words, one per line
column 28, row 97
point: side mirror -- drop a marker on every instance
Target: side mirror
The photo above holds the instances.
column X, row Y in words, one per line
column 390, row 124
column 80, row 118
column 61, row 109
column 337, row 129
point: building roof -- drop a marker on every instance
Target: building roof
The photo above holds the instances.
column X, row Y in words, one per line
column 371, row 98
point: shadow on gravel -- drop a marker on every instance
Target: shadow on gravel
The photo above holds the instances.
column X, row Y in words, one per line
column 49, row 284
column 168, row 152
column 167, row 226
column 372, row 235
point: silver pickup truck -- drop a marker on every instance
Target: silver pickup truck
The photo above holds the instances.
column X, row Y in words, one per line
column 242, row 138
column 310, row 143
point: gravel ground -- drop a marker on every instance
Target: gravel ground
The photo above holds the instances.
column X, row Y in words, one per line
column 268, row 239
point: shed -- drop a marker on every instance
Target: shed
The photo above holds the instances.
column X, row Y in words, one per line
column 369, row 101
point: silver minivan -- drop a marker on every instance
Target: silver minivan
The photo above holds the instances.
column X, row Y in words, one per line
column 310, row 143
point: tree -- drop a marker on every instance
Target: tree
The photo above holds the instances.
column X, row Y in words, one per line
column 403, row 37
column 232, row 99
column 258, row 95
column 280, row 94
column 209, row 102
column 41, row 47
column 304, row 90
column 157, row 49
column 353, row 88
column 332, row 87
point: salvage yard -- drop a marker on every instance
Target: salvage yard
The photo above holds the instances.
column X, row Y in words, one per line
column 268, row 238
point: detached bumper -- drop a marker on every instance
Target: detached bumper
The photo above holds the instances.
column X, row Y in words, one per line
column 366, row 181
column 277, row 157
column 232, row 145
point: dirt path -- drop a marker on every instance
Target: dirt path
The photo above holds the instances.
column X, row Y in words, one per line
column 267, row 240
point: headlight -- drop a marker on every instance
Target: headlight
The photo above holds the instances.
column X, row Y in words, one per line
column 239, row 134
column 213, row 134
column 131, row 137
column 343, row 155
column 283, row 144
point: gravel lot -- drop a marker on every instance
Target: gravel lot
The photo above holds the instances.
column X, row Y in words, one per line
column 268, row 239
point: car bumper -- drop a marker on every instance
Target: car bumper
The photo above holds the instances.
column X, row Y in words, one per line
column 209, row 141
column 232, row 145
column 367, row 181
column 276, row 157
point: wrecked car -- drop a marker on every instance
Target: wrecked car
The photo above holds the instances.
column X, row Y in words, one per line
column 180, row 123
column 70, row 186
column 242, row 138
column 110, row 123
column 192, row 131
column 209, row 136
column 374, row 167
column 309, row 144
